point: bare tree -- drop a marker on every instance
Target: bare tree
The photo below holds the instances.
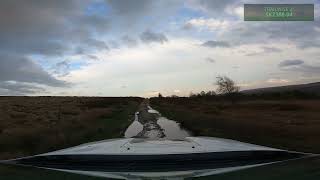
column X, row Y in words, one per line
column 202, row 93
column 226, row 85
column 210, row 93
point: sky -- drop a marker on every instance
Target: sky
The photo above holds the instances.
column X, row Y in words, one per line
column 143, row 47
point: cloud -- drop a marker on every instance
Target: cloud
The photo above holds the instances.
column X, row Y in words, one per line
column 235, row 67
column 265, row 50
column 152, row 93
column 94, row 23
column 277, row 81
column 129, row 8
column 237, row 11
column 149, row 37
column 298, row 66
column 141, row 14
column 129, row 41
column 307, row 70
column 302, row 34
column 308, row 44
column 92, row 57
column 50, row 28
column 215, row 44
column 210, row 60
column 33, row 27
column 207, row 24
column 293, row 62
column 39, row 36
column 140, row 8
column 96, row 43
column 140, row 66
column 19, row 88
column 213, row 7
column 271, row 49
column 22, row 69
column 225, row 18
column 62, row 68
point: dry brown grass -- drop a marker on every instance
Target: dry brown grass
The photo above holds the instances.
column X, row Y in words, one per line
column 288, row 124
column 32, row 125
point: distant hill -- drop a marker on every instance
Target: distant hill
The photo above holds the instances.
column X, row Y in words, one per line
column 307, row 88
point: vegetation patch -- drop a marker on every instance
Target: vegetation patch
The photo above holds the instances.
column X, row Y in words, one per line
column 286, row 124
column 33, row 125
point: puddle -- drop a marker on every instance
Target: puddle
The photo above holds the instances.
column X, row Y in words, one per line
column 150, row 110
column 162, row 128
column 172, row 129
column 133, row 129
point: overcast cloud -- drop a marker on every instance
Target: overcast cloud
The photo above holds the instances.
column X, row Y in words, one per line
column 148, row 37
column 214, row 44
column 96, row 47
column 293, row 62
column 21, row 69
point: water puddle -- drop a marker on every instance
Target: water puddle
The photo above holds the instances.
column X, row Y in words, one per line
column 172, row 129
column 161, row 128
column 150, row 110
column 134, row 128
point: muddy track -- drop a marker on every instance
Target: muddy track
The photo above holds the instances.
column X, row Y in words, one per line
column 149, row 121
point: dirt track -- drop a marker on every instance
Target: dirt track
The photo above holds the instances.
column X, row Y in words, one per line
column 149, row 121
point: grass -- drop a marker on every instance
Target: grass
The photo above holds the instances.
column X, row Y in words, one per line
column 33, row 125
column 286, row 124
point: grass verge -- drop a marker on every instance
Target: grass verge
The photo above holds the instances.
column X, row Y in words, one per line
column 285, row 124
column 33, row 125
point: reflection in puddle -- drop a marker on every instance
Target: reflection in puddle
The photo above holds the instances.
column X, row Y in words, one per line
column 151, row 130
column 134, row 128
column 150, row 110
column 172, row 129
